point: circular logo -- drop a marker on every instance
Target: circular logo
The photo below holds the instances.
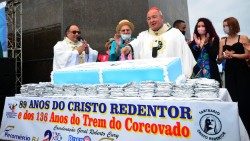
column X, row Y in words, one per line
column 210, row 124
column 86, row 138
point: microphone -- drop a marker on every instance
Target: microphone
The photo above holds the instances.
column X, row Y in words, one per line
column 79, row 38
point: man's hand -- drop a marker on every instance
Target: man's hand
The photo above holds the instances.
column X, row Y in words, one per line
column 83, row 47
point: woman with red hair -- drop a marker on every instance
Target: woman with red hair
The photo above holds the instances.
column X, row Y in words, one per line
column 237, row 72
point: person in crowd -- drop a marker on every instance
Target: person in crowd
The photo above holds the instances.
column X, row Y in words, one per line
column 181, row 25
column 160, row 41
column 103, row 56
column 247, row 47
column 205, row 48
column 73, row 50
column 237, row 76
column 124, row 30
column 108, row 44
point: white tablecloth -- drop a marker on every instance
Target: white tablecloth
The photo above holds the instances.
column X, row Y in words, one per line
column 193, row 103
column 224, row 96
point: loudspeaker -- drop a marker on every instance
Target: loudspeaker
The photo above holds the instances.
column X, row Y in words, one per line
column 7, row 80
column 7, row 77
column 2, row 101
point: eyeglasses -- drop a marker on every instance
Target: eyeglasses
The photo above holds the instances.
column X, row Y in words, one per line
column 74, row 32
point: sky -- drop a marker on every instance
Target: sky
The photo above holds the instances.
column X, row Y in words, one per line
column 218, row 10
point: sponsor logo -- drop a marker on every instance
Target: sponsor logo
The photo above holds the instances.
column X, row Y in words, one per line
column 35, row 139
column 12, row 113
column 14, row 136
column 47, row 135
column 86, row 138
column 12, row 107
column 56, row 136
column 52, row 136
column 9, row 128
column 72, row 138
column 210, row 125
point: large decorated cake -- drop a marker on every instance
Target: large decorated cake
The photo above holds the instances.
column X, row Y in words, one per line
column 120, row 72
column 134, row 78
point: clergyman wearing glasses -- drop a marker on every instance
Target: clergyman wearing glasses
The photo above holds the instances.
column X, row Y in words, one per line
column 72, row 50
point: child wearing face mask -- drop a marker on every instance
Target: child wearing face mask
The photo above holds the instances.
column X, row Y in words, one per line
column 124, row 30
column 205, row 47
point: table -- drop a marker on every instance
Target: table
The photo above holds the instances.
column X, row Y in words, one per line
column 113, row 119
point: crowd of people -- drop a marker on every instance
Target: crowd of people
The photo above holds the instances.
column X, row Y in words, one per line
column 199, row 56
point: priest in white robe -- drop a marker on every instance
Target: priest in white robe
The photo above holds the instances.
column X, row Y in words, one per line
column 71, row 51
column 161, row 40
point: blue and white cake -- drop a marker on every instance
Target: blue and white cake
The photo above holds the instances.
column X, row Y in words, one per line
column 120, row 72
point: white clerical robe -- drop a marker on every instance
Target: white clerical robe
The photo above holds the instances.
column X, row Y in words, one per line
column 173, row 45
column 65, row 54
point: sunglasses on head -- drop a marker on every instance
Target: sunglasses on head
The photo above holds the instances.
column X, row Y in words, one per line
column 74, row 32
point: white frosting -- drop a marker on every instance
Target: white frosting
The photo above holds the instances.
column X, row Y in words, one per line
column 129, row 64
column 102, row 67
column 165, row 74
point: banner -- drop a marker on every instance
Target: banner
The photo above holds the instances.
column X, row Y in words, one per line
column 92, row 119
column 3, row 31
